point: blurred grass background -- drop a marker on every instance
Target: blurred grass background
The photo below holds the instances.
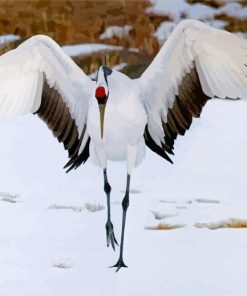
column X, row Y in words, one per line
column 76, row 22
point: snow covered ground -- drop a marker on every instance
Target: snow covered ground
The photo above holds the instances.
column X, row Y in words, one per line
column 52, row 244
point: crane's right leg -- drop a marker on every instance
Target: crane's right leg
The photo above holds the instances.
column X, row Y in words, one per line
column 98, row 154
column 110, row 237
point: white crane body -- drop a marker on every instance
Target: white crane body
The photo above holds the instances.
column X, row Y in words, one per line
column 124, row 122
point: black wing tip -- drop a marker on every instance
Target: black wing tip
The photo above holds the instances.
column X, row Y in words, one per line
column 169, row 160
column 68, row 164
column 155, row 148
column 77, row 160
column 73, row 166
column 165, row 156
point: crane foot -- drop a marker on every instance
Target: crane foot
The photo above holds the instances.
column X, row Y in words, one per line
column 110, row 237
column 119, row 264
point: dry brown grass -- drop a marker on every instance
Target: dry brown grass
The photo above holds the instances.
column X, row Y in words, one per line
column 231, row 223
column 243, row 2
column 73, row 21
column 212, row 3
column 164, row 226
column 234, row 24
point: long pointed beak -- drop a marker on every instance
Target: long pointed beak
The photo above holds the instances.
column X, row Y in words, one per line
column 102, row 116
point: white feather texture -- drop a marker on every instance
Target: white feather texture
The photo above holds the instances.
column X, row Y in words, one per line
column 220, row 58
column 22, row 73
column 124, row 123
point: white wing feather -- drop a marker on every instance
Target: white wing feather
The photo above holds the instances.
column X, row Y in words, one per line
column 221, row 62
column 22, row 73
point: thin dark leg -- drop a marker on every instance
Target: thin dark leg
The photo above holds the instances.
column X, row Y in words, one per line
column 110, row 237
column 125, row 204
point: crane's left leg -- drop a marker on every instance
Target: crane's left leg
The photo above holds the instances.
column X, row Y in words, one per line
column 110, row 237
column 98, row 155
column 131, row 159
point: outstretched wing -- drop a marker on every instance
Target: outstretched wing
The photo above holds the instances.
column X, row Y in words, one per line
column 196, row 63
column 39, row 77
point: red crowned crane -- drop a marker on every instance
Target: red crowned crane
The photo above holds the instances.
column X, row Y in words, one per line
column 115, row 117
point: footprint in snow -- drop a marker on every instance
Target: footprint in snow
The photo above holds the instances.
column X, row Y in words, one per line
column 7, row 197
column 63, row 207
column 160, row 216
column 181, row 207
column 205, row 200
column 94, row 207
column 167, row 201
column 63, row 263
column 90, row 207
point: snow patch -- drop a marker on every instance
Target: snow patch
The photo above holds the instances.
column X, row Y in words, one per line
column 164, row 30
column 180, row 9
column 115, row 31
column 171, row 7
column 8, row 38
column 217, row 24
column 88, row 48
column 234, row 10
